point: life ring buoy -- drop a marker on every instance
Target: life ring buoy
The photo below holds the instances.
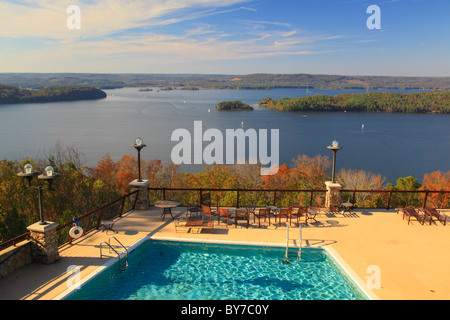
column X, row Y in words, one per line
column 76, row 232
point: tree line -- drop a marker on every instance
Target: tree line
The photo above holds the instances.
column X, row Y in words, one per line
column 211, row 81
column 417, row 102
column 82, row 189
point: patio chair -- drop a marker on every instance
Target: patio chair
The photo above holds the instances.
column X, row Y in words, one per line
column 240, row 214
column 206, row 211
column 206, row 199
column 261, row 213
column 192, row 209
column 298, row 211
column 284, row 212
column 197, row 225
column 223, row 213
column 432, row 212
column 411, row 212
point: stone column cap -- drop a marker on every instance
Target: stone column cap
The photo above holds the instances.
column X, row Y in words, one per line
column 331, row 184
column 136, row 183
column 42, row 228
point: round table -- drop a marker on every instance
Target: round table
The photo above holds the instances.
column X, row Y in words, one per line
column 167, row 206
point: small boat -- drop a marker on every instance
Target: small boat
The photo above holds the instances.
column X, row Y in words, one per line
column 242, row 124
column 362, row 126
column 209, row 110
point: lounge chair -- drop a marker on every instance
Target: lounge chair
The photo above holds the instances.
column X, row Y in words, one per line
column 197, row 225
column 431, row 212
column 187, row 223
column 284, row 212
column 411, row 212
column 261, row 213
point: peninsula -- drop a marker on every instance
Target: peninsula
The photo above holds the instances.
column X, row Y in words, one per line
column 14, row 95
column 417, row 102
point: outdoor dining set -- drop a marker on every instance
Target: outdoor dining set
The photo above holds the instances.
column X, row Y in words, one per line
column 203, row 216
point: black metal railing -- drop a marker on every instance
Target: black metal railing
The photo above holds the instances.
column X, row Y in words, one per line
column 236, row 197
column 92, row 220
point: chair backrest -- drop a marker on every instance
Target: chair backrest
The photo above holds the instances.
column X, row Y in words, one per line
column 264, row 211
column 410, row 211
column 241, row 213
column 432, row 211
column 206, row 198
column 223, row 212
column 206, row 209
column 285, row 210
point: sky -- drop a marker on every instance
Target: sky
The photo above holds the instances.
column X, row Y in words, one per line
column 226, row 36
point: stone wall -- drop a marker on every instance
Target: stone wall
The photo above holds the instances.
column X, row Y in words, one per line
column 15, row 257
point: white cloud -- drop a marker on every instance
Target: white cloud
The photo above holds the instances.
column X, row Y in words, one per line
column 47, row 18
column 122, row 33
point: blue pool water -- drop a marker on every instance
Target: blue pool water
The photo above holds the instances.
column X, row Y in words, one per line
column 192, row 271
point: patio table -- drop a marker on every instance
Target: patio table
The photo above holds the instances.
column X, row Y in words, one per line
column 347, row 206
column 167, row 206
column 311, row 215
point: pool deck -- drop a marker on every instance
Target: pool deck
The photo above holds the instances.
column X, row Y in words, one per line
column 412, row 260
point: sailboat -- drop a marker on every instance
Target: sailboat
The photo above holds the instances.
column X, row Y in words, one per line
column 362, row 126
column 242, row 124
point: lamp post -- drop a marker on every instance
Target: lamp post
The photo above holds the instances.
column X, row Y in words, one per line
column 335, row 148
column 139, row 145
column 48, row 176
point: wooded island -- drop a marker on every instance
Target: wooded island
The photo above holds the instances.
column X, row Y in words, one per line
column 233, row 106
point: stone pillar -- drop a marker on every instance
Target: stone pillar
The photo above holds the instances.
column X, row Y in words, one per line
column 333, row 197
column 44, row 242
column 143, row 200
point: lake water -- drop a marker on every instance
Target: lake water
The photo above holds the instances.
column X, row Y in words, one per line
column 393, row 145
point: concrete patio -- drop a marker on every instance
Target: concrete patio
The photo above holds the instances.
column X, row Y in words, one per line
column 413, row 259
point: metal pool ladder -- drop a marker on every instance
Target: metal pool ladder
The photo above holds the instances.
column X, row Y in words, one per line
column 121, row 265
column 299, row 254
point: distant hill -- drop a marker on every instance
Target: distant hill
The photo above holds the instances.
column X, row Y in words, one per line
column 11, row 94
column 251, row 81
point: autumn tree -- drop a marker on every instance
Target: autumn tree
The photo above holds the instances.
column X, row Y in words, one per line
column 437, row 181
column 353, row 179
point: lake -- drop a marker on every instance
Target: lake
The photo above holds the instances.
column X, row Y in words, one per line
column 393, row 145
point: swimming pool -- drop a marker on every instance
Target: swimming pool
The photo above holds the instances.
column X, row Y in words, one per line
column 170, row 270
